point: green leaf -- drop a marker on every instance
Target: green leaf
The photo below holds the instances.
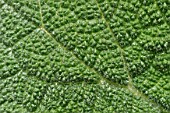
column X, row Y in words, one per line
column 72, row 56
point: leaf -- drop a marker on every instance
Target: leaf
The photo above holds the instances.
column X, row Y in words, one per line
column 85, row 56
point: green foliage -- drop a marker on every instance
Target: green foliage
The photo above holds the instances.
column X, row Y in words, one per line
column 72, row 56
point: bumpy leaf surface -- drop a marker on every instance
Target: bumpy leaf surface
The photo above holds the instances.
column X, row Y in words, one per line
column 80, row 56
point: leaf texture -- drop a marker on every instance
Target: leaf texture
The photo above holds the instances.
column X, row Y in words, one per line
column 97, row 56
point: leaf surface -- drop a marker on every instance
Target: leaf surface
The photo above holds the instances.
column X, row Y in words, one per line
column 85, row 56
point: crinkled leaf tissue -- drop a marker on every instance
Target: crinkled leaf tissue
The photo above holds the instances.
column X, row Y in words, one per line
column 85, row 56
